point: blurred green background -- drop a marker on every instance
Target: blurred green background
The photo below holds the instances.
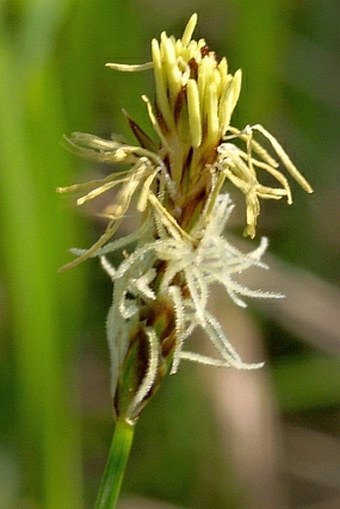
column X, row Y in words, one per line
column 210, row 439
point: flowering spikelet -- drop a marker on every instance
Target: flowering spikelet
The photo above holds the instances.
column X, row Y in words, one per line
column 161, row 288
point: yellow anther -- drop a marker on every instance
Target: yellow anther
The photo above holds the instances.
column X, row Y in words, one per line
column 195, row 122
column 189, row 29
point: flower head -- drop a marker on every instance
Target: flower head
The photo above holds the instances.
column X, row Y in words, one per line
column 190, row 265
column 161, row 288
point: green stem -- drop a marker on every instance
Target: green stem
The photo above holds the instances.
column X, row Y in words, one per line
column 116, row 464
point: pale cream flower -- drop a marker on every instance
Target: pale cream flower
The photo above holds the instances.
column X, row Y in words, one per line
column 195, row 98
column 161, row 289
column 193, row 262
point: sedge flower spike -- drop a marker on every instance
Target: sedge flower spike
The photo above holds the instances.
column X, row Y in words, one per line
column 161, row 288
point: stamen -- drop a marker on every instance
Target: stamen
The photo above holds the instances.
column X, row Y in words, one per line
column 195, row 122
column 189, row 29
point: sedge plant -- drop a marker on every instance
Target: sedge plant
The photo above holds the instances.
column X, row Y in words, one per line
column 181, row 248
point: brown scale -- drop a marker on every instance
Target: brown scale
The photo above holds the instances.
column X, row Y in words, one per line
column 132, row 369
column 160, row 316
column 160, row 120
column 180, row 99
column 143, row 139
column 193, row 68
column 205, row 50
column 193, row 206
